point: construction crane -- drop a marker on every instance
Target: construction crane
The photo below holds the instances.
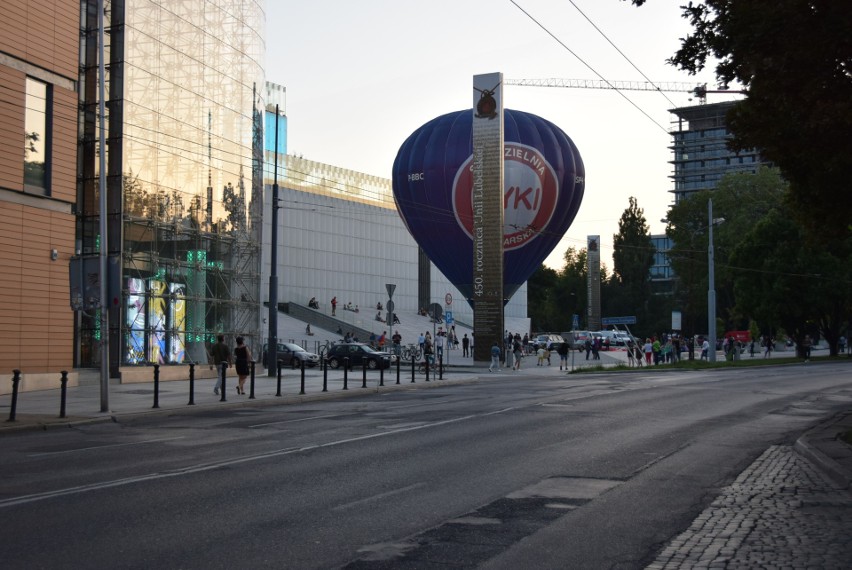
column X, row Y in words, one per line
column 700, row 91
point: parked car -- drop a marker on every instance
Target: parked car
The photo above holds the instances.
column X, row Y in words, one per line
column 548, row 341
column 609, row 339
column 358, row 353
column 577, row 339
column 290, row 354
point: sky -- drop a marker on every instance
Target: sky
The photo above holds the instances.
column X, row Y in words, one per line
column 361, row 76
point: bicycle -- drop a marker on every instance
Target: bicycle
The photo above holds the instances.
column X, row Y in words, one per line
column 430, row 361
column 411, row 352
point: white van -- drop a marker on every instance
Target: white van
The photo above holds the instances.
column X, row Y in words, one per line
column 616, row 338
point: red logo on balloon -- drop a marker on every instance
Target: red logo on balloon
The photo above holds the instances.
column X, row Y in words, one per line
column 530, row 193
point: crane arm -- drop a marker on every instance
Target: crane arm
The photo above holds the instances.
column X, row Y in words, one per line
column 603, row 84
column 699, row 91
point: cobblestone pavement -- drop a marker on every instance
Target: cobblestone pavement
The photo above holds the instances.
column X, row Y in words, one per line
column 781, row 512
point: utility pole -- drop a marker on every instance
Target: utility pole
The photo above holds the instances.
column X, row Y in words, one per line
column 272, row 341
column 102, row 208
column 711, row 292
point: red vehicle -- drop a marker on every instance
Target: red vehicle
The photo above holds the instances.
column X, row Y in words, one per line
column 740, row 336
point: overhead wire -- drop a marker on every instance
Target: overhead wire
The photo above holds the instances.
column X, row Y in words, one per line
column 592, row 69
column 660, row 91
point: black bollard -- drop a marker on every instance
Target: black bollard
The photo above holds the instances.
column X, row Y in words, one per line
column 325, row 374
column 224, row 375
column 346, row 373
column 441, row 367
column 397, row 369
column 64, row 393
column 191, row 384
column 364, row 375
column 15, row 380
column 413, row 367
column 278, row 393
column 156, row 386
column 427, row 366
column 251, row 380
column 382, row 373
column 302, row 367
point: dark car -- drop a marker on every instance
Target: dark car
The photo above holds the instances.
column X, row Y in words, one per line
column 293, row 355
column 358, row 354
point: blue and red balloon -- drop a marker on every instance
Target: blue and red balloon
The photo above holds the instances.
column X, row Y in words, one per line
column 544, row 180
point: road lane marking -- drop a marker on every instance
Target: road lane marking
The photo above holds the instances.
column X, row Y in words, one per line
column 298, row 420
column 378, row 497
column 99, row 447
column 193, row 469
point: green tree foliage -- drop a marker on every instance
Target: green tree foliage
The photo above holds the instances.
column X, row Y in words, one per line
column 795, row 59
column 553, row 297
column 633, row 255
column 543, row 309
column 766, row 268
column 741, row 200
column 787, row 283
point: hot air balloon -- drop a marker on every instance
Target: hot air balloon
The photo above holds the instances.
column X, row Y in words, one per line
column 543, row 187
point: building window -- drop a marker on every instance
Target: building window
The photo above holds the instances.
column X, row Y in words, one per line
column 37, row 137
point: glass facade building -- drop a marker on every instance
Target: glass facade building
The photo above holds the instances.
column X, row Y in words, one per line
column 701, row 155
column 184, row 180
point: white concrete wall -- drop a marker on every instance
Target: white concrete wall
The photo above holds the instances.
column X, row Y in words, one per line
column 332, row 246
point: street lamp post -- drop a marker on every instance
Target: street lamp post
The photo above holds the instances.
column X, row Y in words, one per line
column 711, row 291
column 272, row 341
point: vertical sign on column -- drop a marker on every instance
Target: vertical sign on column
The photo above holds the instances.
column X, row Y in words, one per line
column 594, row 283
column 487, row 200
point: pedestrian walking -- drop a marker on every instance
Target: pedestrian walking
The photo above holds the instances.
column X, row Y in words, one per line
column 495, row 357
column 242, row 356
column 563, row 355
column 465, row 345
column 518, row 353
column 333, row 306
column 221, row 353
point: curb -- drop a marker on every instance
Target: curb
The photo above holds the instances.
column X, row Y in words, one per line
column 825, row 433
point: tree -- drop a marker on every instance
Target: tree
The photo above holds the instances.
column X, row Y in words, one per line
column 541, row 292
column 633, row 255
column 795, row 59
column 742, row 200
column 786, row 282
column 553, row 297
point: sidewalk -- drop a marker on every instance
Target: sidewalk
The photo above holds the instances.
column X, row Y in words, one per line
column 40, row 409
column 791, row 508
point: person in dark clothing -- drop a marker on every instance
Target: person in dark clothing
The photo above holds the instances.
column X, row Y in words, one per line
column 220, row 353
column 242, row 356
column 562, row 349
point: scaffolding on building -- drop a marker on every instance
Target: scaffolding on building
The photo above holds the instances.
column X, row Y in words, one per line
column 187, row 279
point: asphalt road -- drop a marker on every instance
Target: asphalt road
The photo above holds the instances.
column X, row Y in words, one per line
column 581, row 471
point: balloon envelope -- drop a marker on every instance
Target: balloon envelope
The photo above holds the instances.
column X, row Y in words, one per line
column 543, row 186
